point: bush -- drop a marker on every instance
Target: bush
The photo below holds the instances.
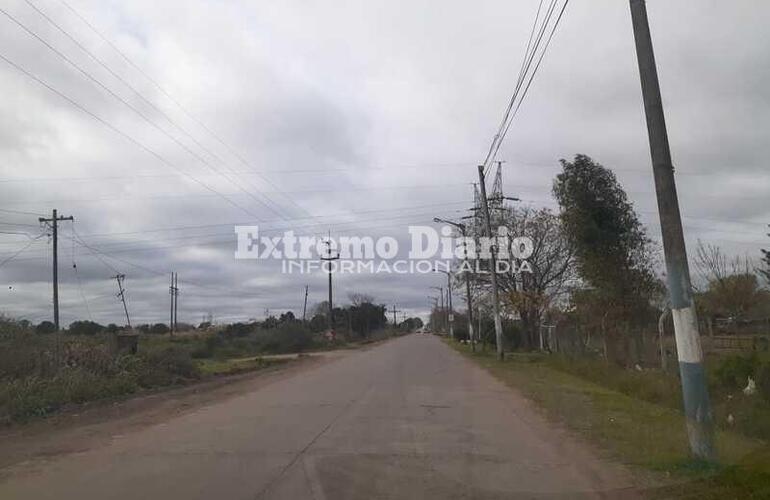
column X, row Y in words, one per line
column 84, row 328
column 159, row 329
column 45, row 327
column 171, row 365
column 763, row 381
column 36, row 396
column 734, row 371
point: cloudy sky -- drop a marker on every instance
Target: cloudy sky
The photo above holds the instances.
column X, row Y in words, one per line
column 360, row 118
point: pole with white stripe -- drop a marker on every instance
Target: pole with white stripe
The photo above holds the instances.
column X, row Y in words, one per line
column 697, row 408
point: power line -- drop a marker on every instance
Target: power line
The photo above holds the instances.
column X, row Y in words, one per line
column 118, row 131
column 36, row 214
column 511, row 115
column 133, row 108
column 137, row 93
column 179, row 105
column 25, row 247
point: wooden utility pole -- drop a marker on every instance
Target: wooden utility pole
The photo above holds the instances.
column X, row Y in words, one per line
column 493, row 266
column 330, row 259
column 450, row 313
column 54, row 222
column 304, row 307
column 697, row 407
column 122, row 295
column 395, row 320
column 173, row 291
column 468, row 299
column 176, row 301
column 441, row 311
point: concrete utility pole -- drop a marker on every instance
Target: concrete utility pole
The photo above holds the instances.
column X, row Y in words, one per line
column 122, row 295
column 329, row 259
column 697, row 407
column 493, row 270
column 304, row 307
column 54, row 221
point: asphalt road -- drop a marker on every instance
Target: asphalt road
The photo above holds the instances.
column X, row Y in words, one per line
column 407, row 419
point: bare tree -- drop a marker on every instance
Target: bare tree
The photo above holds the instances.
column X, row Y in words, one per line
column 730, row 284
column 532, row 292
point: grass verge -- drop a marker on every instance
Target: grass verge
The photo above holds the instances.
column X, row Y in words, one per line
column 642, row 435
column 216, row 367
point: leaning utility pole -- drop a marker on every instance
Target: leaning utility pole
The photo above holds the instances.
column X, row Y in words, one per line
column 304, row 307
column 329, row 259
column 122, row 295
column 697, row 407
column 493, row 265
column 54, row 220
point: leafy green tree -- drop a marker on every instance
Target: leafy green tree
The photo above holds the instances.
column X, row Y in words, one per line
column 613, row 252
column 159, row 328
column 84, row 328
column 45, row 327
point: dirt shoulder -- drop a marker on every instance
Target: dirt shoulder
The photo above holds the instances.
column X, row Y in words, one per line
column 86, row 426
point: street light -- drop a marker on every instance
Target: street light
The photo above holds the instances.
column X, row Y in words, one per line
column 462, row 227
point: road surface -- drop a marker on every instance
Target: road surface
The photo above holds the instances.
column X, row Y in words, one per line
column 406, row 419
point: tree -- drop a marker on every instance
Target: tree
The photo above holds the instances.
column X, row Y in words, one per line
column 732, row 287
column 765, row 270
column 613, row 252
column 159, row 328
column 84, row 328
column 411, row 324
column 45, row 327
column 552, row 265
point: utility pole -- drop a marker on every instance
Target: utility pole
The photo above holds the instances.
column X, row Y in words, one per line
column 329, row 259
column 54, row 221
column 173, row 291
column 697, row 407
column 441, row 311
column 468, row 300
column 395, row 320
column 304, row 307
column 450, row 313
column 122, row 295
column 493, row 270
column 435, row 307
column 176, row 301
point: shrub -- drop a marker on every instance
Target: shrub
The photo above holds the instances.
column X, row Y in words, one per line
column 36, row 396
column 169, row 366
column 159, row 329
column 763, row 381
column 84, row 328
column 733, row 372
column 45, row 327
